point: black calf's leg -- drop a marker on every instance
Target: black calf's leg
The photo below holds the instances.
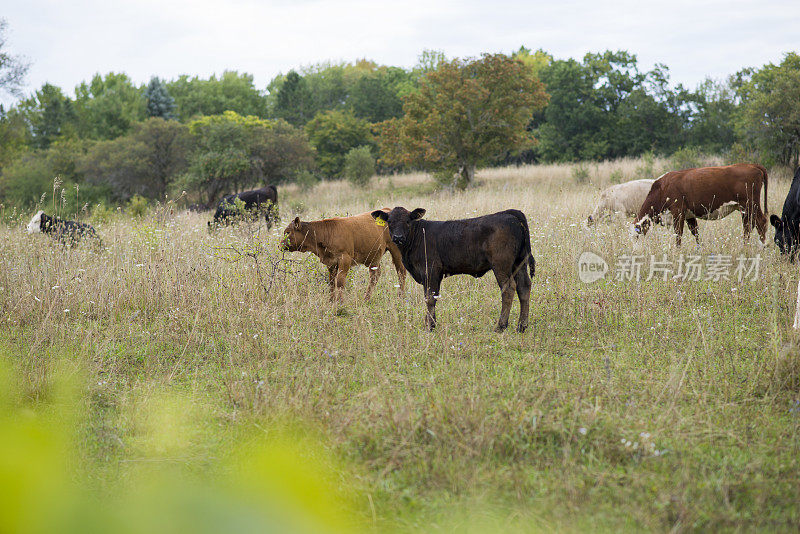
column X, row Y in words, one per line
column 431, row 295
column 507, row 288
column 524, row 294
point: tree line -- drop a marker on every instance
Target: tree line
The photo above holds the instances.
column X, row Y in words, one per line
column 115, row 140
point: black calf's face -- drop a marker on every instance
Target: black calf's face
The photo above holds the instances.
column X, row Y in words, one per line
column 783, row 236
column 399, row 222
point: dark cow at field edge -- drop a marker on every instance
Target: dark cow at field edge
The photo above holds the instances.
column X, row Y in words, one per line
column 61, row 229
column 695, row 193
column 432, row 250
column 787, row 226
column 340, row 243
column 254, row 202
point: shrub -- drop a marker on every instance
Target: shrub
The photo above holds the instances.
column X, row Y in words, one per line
column 306, row 180
column 359, row 165
column 101, row 214
column 647, row 168
column 686, row 158
column 298, row 208
column 581, row 173
column 740, row 153
column 616, row 176
column 137, row 206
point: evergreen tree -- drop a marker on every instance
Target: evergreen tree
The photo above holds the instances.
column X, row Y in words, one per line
column 159, row 102
column 294, row 100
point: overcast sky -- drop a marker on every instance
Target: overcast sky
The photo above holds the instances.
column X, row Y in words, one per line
column 69, row 41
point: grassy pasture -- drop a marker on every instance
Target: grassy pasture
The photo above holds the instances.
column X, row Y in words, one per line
column 658, row 405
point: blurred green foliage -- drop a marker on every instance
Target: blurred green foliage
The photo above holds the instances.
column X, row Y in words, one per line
column 275, row 479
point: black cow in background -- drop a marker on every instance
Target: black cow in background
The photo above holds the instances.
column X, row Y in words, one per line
column 68, row 232
column 432, row 250
column 255, row 202
column 787, row 227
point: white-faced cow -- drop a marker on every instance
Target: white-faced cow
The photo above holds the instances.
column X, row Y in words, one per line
column 65, row 231
column 623, row 198
column 787, row 226
column 432, row 250
column 693, row 193
column 628, row 197
column 248, row 203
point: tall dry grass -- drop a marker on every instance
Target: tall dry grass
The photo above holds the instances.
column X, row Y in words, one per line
column 655, row 405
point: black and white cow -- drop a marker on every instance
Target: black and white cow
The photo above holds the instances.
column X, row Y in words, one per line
column 61, row 229
column 787, row 226
column 253, row 202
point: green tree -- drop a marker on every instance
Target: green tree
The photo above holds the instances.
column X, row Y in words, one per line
column 13, row 136
column 294, row 102
column 333, row 134
column 375, row 94
column 145, row 162
column 464, row 113
column 359, row 165
column 570, row 127
column 13, row 68
column 535, row 61
column 49, row 114
column 770, row 114
column 108, row 106
column 231, row 92
column 714, row 106
column 328, row 86
column 233, row 152
column 159, row 102
column 604, row 107
column 27, row 180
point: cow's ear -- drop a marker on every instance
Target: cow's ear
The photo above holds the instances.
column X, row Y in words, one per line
column 297, row 223
column 417, row 213
column 776, row 221
column 380, row 214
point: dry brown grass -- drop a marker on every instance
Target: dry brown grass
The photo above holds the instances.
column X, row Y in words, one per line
column 455, row 428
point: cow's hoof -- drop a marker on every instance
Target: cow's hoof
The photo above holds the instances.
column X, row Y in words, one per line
column 500, row 328
column 521, row 328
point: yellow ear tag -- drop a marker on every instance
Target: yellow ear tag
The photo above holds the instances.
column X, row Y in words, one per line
column 380, row 222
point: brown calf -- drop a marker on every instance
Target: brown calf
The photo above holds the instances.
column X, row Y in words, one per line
column 693, row 193
column 341, row 242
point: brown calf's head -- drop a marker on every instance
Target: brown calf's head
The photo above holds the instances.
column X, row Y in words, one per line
column 399, row 222
column 650, row 212
column 295, row 236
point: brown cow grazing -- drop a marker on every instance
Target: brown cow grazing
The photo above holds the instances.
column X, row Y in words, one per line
column 694, row 193
column 431, row 250
column 341, row 242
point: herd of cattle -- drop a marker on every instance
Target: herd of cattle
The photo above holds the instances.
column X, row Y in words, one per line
column 500, row 242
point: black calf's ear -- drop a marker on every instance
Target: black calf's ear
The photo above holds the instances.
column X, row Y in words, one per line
column 297, row 223
column 417, row 213
column 380, row 214
column 776, row 221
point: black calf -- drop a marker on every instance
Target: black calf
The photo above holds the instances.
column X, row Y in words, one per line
column 432, row 250
column 787, row 227
column 256, row 201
